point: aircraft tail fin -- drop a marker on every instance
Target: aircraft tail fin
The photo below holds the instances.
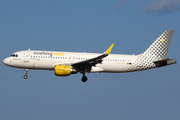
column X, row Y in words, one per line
column 155, row 55
column 159, row 49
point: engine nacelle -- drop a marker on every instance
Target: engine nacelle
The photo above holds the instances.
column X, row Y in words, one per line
column 64, row 70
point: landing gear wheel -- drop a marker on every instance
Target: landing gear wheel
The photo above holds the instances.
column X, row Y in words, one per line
column 25, row 76
column 84, row 79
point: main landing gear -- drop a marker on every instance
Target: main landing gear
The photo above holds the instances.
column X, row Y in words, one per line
column 84, row 78
column 25, row 76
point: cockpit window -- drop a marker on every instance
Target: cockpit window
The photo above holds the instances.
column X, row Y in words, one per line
column 14, row 55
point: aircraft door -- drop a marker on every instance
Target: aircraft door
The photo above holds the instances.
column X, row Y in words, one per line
column 26, row 57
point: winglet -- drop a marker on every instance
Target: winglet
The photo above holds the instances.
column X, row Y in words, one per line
column 109, row 49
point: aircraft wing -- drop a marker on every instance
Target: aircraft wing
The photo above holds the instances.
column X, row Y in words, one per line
column 93, row 61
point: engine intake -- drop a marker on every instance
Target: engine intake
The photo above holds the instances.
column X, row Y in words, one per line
column 64, row 70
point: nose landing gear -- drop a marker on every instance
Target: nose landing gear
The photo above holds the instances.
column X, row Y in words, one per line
column 25, row 76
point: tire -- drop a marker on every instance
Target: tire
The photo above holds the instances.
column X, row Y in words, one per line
column 84, row 79
column 25, row 76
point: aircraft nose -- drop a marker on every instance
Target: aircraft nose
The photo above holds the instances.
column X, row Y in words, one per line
column 5, row 61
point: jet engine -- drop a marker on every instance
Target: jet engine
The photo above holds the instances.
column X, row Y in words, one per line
column 64, row 70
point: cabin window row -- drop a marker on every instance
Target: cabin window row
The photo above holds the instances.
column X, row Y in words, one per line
column 117, row 60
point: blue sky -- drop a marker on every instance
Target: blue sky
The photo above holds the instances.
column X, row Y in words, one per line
column 89, row 26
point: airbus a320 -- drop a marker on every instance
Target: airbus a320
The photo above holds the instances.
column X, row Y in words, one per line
column 67, row 63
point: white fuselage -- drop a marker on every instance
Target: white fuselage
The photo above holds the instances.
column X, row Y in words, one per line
column 46, row 60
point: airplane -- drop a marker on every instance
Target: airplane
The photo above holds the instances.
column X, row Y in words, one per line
column 67, row 63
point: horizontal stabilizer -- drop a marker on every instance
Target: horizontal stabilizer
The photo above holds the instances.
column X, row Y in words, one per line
column 164, row 62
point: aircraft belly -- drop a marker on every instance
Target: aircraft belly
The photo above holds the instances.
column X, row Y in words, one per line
column 45, row 65
column 114, row 68
column 34, row 64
